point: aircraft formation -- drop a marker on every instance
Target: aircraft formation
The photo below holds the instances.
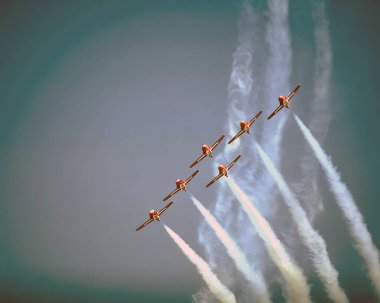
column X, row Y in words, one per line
column 207, row 151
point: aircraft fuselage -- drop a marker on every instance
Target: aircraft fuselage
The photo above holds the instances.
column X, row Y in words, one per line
column 181, row 184
column 284, row 101
column 153, row 214
column 223, row 170
column 244, row 125
column 207, row 150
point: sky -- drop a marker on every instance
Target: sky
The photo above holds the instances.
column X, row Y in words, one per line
column 104, row 104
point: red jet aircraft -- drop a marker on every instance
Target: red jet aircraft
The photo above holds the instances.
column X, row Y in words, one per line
column 284, row 101
column 154, row 215
column 207, row 151
column 223, row 171
column 244, row 127
column 181, row 185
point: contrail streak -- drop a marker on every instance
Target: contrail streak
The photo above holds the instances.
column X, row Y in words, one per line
column 310, row 237
column 277, row 76
column 297, row 289
column 221, row 292
column 358, row 229
column 278, row 71
column 321, row 109
column 239, row 90
column 321, row 114
column 240, row 82
column 241, row 262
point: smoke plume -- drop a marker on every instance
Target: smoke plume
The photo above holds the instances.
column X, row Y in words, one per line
column 221, row 292
column 321, row 111
column 241, row 262
column 310, row 237
column 296, row 288
column 358, row 229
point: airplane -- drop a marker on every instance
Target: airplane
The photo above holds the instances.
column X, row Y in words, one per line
column 154, row 215
column 223, row 171
column 284, row 101
column 207, row 151
column 244, row 127
column 181, row 185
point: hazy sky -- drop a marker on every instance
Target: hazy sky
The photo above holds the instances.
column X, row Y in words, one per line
column 104, row 104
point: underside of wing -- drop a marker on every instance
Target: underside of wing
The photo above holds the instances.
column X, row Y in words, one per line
column 214, row 180
column 280, row 107
column 171, row 194
column 145, row 224
column 233, row 162
column 255, row 118
column 217, row 142
column 165, row 208
column 198, row 160
column 294, row 92
column 236, row 136
column 192, row 176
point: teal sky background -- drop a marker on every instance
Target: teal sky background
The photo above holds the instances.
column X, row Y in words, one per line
column 104, row 104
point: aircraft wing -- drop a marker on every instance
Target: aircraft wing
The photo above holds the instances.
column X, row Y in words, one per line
column 191, row 177
column 233, row 162
column 294, row 92
column 145, row 224
column 165, row 208
column 171, row 194
column 198, row 160
column 280, row 107
column 255, row 118
column 236, row 136
column 214, row 180
column 217, row 142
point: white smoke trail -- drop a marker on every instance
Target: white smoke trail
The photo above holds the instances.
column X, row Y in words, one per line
column 310, row 237
column 221, row 292
column 239, row 89
column 240, row 84
column 320, row 119
column 241, row 262
column 297, row 289
column 321, row 110
column 277, row 74
column 358, row 229
column 277, row 77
